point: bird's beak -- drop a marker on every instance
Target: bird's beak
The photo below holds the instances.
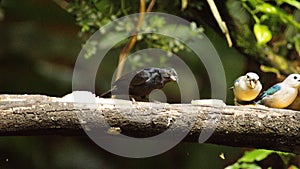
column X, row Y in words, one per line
column 173, row 78
column 252, row 83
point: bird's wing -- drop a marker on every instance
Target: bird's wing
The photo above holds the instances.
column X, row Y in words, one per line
column 271, row 91
column 141, row 77
column 133, row 78
column 236, row 83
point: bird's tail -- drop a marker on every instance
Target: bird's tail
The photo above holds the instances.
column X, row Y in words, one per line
column 106, row 94
column 258, row 102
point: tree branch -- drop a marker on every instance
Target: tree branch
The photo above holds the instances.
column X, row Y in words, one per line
column 256, row 127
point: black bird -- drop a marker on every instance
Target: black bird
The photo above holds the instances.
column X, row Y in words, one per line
column 139, row 84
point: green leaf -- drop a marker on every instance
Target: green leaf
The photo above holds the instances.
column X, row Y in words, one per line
column 294, row 3
column 255, row 155
column 243, row 166
column 234, row 166
column 293, row 167
column 266, row 8
column 184, row 4
column 103, row 5
column 262, row 33
column 249, row 166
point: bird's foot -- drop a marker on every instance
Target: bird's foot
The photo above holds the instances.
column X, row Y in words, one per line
column 133, row 100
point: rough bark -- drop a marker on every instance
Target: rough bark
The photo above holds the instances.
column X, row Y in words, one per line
column 257, row 127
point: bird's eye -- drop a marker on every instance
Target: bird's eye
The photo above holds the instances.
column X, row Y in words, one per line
column 247, row 76
column 295, row 77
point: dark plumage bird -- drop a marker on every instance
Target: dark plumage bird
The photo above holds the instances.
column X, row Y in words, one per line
column 139, row 84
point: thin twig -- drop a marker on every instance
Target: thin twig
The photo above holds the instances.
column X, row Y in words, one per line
column 221, row 23
column 150, row 6
column 63, row 4
column 131, row 42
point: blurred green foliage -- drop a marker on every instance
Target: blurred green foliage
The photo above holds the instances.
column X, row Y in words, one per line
column 275, row 24
column 249, row 159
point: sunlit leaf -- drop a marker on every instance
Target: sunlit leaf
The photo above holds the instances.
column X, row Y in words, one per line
column 184, row 4
column 294, row 3
column 262, row 34
column 243, row 166
column 293, row 167
column 255, row 155
column 234, row 166
column 266, row 8
column 249, row 166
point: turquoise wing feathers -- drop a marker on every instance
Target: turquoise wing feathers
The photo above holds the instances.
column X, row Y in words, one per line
column 271, row 91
